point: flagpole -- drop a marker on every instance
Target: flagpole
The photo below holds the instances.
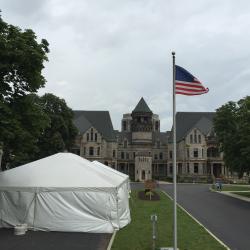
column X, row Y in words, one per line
column 174, row 155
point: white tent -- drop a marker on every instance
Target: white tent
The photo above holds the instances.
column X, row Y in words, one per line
column 64, row 192
column 110, row 171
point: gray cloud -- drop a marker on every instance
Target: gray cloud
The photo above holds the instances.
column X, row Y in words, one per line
column 106, row 54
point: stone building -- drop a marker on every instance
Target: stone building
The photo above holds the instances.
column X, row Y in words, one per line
column 197, row 151
column 96, row 139
column 141, row 150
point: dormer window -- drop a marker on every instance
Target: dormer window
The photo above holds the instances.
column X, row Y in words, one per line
column 191, row 138
column 199, row 138
column 91, row 134
column 195, row 136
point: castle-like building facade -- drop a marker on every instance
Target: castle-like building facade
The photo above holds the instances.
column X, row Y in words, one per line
column 142, row 151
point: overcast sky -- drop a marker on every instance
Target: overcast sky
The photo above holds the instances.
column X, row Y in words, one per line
column 107, row 54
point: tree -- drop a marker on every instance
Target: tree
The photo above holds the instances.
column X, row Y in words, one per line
column 21, row 118
column 232, row 127
column 61, row 132
column 24, row 121
column 22, row 59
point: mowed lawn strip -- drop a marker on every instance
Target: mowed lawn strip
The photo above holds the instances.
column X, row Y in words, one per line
column 138, row 234
column 245, row 194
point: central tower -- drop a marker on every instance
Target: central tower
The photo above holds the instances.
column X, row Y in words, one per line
column 142, row 123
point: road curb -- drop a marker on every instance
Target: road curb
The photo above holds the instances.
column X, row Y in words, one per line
column 182, row 208
column 111, row 240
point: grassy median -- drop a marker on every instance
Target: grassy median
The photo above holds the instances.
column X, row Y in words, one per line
column 138, row 234
column 232, row 188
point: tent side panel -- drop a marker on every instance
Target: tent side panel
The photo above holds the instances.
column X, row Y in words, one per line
column 16, row 208
column 74, row 211
column 123, row 205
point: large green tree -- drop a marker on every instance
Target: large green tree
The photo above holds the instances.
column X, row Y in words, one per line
column 232, row 127
column 22, row 59
column 61, row 132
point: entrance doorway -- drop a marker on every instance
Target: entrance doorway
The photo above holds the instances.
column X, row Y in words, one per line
column 143, row 175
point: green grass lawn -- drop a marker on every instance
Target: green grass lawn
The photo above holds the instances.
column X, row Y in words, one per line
column 233, row 188
column 245, row 194
column 138, row 234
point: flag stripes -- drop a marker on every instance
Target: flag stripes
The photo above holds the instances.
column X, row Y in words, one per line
column 187, row 84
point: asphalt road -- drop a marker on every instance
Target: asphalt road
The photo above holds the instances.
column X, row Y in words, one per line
column 38, row 240
column 226, row 217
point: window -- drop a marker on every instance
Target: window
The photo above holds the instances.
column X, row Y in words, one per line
column 196, row 168
column 156, row 157
column 199, row 138
column 95, row 136
column 188, row 153
column 134, row 155
column 156, row 125
column 202, row 152
column 127, row 155
column 179, row 168
column 125, row 144
column 124, row 125
column 171, row 168
column 91, row 151
column 84, row 151
column 191, row 138
column 195, row 136
column 196, row 152
column 114, row 153
column 91, row 135
column 188, row 167
column 98, row 150
column 122, row 155
column 170, row 154
column 161, row 155
column 87, row 136
column 158, row 144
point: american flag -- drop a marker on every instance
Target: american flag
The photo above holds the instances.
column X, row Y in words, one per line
column 187, row 84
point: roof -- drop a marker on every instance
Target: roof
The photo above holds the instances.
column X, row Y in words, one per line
column 185, row 121
column 124, row 135
column 142, row 106
column 160, row 136
column 100, row 120
column 58, row 171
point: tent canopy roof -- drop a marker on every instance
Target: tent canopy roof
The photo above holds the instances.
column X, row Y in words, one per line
column 62, row 170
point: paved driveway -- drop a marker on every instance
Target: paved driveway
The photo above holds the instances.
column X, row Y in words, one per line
column 226, row 217
column 53, row 241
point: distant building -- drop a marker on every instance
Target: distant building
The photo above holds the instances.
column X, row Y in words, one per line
column 141, row 150
column 197, row 152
